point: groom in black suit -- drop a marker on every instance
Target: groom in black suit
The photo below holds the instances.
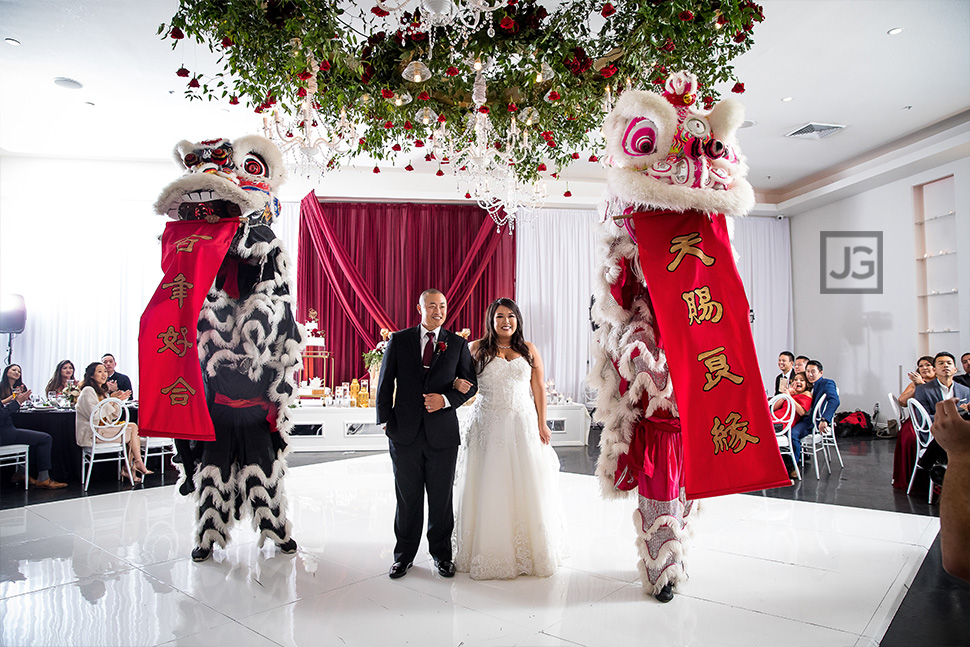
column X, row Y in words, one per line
column 422, row 427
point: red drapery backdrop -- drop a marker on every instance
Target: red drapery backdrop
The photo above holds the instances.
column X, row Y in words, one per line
column 362, row 267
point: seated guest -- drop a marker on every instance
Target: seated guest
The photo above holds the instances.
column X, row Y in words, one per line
column 800, row 393
column 39, row 442
column 63, row 375
column 800, row 363
column 942, row 387
column 117, row 382
column 785, row 365
column 11, row 384
column 925, row 372
column 965, row 378
column 93, row 390
column 820, row 386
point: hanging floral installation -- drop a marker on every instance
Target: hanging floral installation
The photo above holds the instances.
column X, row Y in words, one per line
column 383, row 80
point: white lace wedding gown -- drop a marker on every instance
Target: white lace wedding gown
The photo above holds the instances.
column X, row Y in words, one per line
column 508, row 520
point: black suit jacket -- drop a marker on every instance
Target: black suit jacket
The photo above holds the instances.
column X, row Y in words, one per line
column 929, row 394
column 402, row 366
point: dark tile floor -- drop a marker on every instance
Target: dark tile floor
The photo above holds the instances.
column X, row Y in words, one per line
column 935, row 611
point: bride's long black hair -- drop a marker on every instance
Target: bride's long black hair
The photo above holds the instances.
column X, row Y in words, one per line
column 488, row 344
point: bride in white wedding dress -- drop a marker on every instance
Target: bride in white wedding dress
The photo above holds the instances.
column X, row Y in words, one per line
column 508, row 519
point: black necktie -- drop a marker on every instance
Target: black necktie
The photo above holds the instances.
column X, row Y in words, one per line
column 429, row 350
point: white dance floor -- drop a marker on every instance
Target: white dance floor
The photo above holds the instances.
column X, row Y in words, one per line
column 115, row 570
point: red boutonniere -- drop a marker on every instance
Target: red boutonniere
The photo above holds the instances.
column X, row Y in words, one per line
column 441, row 347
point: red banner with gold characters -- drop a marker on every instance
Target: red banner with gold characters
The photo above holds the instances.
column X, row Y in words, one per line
column 171, row 391
column 702, row 315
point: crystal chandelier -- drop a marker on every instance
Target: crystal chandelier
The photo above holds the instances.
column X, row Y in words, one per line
column 484, row 161
column 464, row 15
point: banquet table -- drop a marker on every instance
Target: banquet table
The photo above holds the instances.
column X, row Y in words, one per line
column 59, row 423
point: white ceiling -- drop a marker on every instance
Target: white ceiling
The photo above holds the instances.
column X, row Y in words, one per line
column 833, row 57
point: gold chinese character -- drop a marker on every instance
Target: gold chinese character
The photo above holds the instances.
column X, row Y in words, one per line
column 684, row 245
column 731, row 434
column 179, row 392
column 187, row 244
column 180, row 288
column 717, row 367
column 704, row 309
column 172, row 339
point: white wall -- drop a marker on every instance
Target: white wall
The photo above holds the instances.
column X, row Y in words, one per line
column 864, row 339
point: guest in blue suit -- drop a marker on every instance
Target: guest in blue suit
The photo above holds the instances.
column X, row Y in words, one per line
column 820, row 386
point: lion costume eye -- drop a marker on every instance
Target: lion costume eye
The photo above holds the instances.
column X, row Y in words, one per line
column 640, row 137
column 220, row 156
column 254, row 165
column 191, row 159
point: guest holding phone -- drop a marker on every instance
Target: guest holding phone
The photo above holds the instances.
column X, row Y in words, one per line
column 11, row 384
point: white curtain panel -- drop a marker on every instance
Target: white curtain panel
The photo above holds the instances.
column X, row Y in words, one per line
column 553, row 284
column 764, row 249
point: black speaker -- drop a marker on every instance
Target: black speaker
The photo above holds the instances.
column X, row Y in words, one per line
column 13, row 313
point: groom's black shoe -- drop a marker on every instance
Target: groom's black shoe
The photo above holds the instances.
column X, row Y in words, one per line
column 446, row 567
column 399, row 569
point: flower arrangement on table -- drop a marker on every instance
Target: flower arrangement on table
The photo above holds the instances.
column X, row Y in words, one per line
column 373, row 357
column 71, row 393
column 550, row 73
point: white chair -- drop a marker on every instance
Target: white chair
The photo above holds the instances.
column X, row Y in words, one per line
column 921, row 425
column 156, row 447
column 16, row 455
column 818, row 442
column 783, row 435
column 900, row 414
column 109, row 425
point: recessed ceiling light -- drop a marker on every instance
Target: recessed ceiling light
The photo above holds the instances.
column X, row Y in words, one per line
column 69, row 84
column 895, row 31
column 787, row 99
column 11, row 41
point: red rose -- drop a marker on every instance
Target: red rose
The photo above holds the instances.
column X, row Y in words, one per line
column 442, row 119
column 468, row 195
column 738, row 88
column 668, row 45
column 424, row 97
column 575, row 156
column 541, row 167
column 567, row 194
column 542, row 13
column 740, row 37
column 483, row 110
column 418, row 143
column 361, row 141
column 387, row 94
column 608, row 71
column 176, row 33
column 554, row 175
column 513, row 107
column 547, row 134
column 376, row 170
column 427, row 158
column 407, row 125
column 708, row 102
column 388, row 124
column 608, row 10
column 721, row 20
column 380, row 13
column 593, row 158
column 233, row 101
column 325, row 66
column 554, row 96
column 396, row 147
column 440, row 173
column 301, row 92
column 408, row 168
column 658, row 81
column 227, row 42
column 304, row 75
column 550, row 143
column 442, row 346
column 194, row 83
column 686, row 16
column 508, row 24
column 452, row 71
column 182, row 72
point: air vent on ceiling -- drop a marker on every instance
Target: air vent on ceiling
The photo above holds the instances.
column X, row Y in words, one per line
column 815, row 131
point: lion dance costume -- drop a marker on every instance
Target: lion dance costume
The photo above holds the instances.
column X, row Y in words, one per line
column 220, row 376
column 669, row 157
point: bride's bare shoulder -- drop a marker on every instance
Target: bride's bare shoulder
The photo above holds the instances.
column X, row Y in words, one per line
column 473, row 347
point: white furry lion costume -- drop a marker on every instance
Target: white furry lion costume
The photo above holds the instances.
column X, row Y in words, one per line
column 665, row 154
column 249, row 343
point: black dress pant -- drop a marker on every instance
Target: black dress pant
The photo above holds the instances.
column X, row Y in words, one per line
column 420, row 468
